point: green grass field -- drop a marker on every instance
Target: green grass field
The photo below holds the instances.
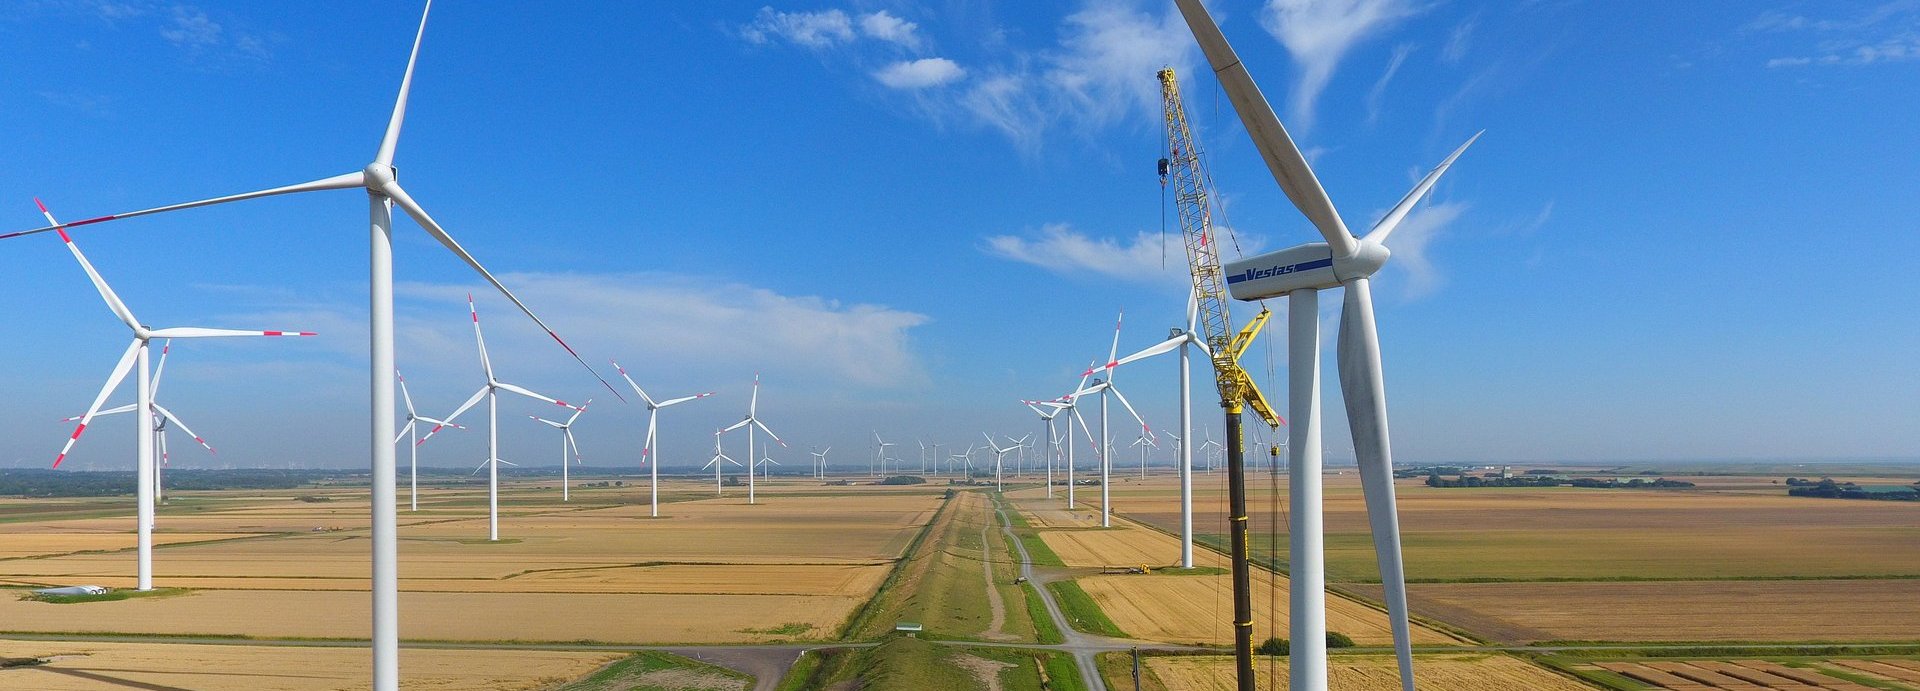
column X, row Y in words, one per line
column 1081, row 611
column 658, row 671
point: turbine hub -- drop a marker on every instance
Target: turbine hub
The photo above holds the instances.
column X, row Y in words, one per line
column 378, row 175
column 1363, row 263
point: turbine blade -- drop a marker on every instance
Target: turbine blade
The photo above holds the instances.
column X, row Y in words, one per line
column 128, row 408
column 411, row 413
column 413, row 209
column 114, row 302
column 646, row 450
column 120, row 370
column 1362, row 386
column 1392, row 220
column 1144, row 429
column 683, row 399
column 153, row 389
column 636, row 387
column 577, row 412
column 529, row 394
column 337, row 182
column 1283, row 158
column 483, row 464
column 392, row 138
column 471, row 401
column 763, row 428
column 737, row 425
column 177, row 422
column 199, row 332
column 402, row 433
column 1153, row 350
column 574, row 444
column 486, row 363
column 753, row 404
column 1114, row 351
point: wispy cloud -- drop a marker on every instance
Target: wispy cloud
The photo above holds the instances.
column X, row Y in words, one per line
column 919, row 74
column 1379, row 91
column 1889, row 32
column 1459, row 41
column 1319, row 33
column 810, row 29
column 1090, row 78
column 1058, row 247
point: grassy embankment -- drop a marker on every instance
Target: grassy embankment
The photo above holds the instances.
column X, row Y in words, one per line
column 653, row 670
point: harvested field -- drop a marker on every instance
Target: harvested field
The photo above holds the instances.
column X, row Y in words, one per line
column 1572, row 533
column 1187, row 608
column 1854, row 611
column 620, row 618
column 1435, row 672
column 1754, row 675
column 93, row 666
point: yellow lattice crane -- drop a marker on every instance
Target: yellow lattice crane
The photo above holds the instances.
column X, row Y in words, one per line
column 1187, row 174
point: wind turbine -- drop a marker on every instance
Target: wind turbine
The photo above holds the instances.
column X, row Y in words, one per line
column 879, row 452
column 411, row 431
column 1144, row 443
column 566, row 443
column 1021, row 446
column 1300, row 273
column 1208, row 448
column 650, row 451
column 766, row 465
column 820, row 463
column 383, row 191
column 750, row 422
column 491, row 391
column 718, row 456
column 1182, row 339
column 999, row 458
column 137, row 353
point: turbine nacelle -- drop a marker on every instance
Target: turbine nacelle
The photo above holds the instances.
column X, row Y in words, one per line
column 1307, row 267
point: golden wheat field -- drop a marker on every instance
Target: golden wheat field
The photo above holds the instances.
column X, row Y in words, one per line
column 1432, row 672
column 94, row 666
column 1199, row 609
column 707, row 571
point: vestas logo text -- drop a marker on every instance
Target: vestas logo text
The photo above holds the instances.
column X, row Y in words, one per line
column 1272, row 271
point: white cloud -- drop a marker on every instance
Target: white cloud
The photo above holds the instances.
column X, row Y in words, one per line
column 810, row 29
column 1411, row 240
column 1061, row 249
column 1318, row 33
column 1108, row 50
column 886, row 27
column 683, row 322
column 919, row 74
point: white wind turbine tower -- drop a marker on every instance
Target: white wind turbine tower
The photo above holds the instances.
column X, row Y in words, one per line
column 137, row 354
column 411, row 431
column 1182, row 339
column 650, row 453
column 383, row 191
column 718, row 456
column 566, row 443
column 1064, row 403
column 750, row 422
column 491, row 391
column 1300, row 273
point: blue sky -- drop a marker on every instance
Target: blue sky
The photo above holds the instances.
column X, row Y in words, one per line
column 1687, row 234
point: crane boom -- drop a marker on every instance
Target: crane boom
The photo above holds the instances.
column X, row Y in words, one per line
column 1188, row 176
